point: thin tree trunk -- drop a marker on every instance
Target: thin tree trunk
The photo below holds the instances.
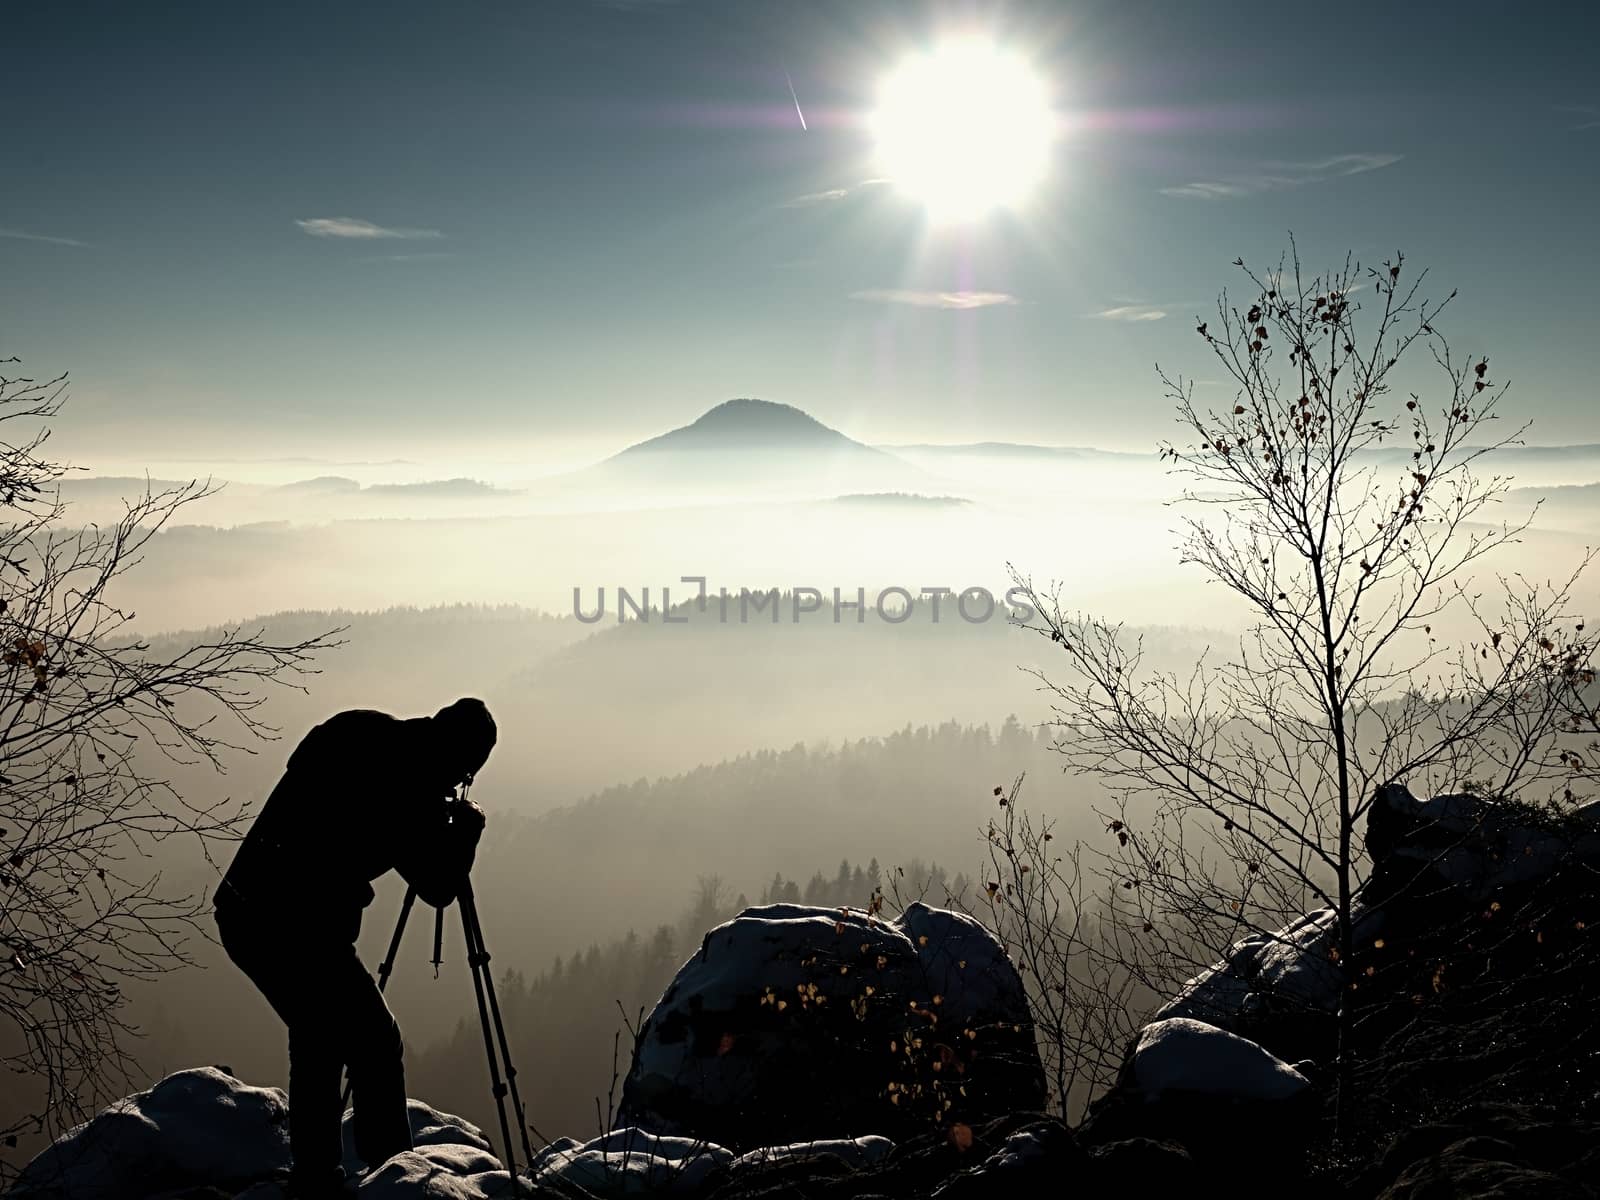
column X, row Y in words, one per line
column 1346, row 938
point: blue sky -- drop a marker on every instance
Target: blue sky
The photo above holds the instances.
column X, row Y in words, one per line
column 607, row 217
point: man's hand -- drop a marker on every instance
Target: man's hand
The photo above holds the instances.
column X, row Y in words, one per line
column 469, row 817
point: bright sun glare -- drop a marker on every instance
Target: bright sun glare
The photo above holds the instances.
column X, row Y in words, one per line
column 964, row 128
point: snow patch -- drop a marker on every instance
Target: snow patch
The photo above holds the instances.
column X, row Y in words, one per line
column 853, row 1152
column 197, row 1127
column 630, row 1162
column 205, row 1129
column 1290, row 968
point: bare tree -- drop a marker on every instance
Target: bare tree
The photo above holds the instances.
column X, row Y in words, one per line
column 1346, row 512
column 92, row 727
column 1082, row 975
column 1073, row 956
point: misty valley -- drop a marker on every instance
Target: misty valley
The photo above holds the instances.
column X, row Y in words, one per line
column 678, row 754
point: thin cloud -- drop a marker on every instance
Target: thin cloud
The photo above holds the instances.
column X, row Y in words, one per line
column 1281, row 176
column 1587, row 116
column 830, row 195
column 810, row 198
column 1130, row 312
column 431, row 254
column 22, row 235
column 351, row 227
column 1208, row 189
column 922, row 299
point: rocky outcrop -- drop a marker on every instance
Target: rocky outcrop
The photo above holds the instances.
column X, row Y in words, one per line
column 796, row 1023
column 630, row 1162
column 1471, row 977
column 1280, row 988
column 823, row 1054
column 1463, row 849
column 205, row 1131
column 1437, row 865
column 204, row 1135
column 1488, row 1151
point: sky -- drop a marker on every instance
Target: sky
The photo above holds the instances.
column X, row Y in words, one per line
column 545, row 229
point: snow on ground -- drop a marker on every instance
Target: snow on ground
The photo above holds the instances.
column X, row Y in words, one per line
column 204, row 1129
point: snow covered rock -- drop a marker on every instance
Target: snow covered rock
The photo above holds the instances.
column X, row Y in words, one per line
column 1491, row 1149
column 1481, row 1169
column 1468, row 846
column 1193, row 1085
column 852, row 1152
column 1290, row 966
column 439, row 1172
column 1033, row 1160
column 795, row 1023
column 1436, row 862
column 631, row 1162
column 1141, row 1166
column 203, row 1128
column 1179, row 1054
column 440, row 1135
column 198, row 1127
column 1280, row 988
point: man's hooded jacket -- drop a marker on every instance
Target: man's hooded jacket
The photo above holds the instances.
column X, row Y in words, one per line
column 364, row 793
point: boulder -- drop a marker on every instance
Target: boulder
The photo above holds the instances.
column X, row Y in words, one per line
column 630, row 1162
column 1191, row 1084
column 796, row 1023
column 1031, row 1161
column 1141, row 1166
column 1027, row 1151
column 1480, row 1169
column 1436, row 862
column 1280, row 989
column 203, row 1132
column 439, row 1136
column 1181, row 1055
column 195, row 1128
column 854, row 1153
column 1469, row 848
column 441, row 1172
column 1519, row 1149
column 1477, row 914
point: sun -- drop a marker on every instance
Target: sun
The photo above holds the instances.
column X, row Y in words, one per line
column 964, row 128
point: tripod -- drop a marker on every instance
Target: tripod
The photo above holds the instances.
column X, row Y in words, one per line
column 494, row 1045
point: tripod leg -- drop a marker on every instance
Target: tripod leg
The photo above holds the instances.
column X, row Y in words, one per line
column 386, row 967
column 438, row 940
column 469, row 911
column 478, row 962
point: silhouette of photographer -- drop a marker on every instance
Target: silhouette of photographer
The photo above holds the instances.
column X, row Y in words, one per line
column 364, row 793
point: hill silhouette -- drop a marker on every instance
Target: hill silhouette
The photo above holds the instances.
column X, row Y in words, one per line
column 749, row 424
column 749, row 448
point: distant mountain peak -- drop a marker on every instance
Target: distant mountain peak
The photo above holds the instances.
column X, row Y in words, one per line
column 749, row 413
column 747, row 423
